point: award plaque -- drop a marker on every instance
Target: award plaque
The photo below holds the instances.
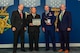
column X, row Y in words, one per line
column 48, row 21
column 36, row 21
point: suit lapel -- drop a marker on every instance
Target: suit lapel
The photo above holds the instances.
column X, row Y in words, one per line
column 36, row 16
column 18, row 14
column 33, row 17
column 23, row 15
column 64, row 14
column 59, row 15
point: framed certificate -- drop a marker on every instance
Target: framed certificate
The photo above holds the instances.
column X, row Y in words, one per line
column 36, row 21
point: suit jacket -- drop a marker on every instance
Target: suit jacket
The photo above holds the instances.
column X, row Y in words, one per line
column 29, row 20
column 66, row 21
column 16, row 20
column 51, row 17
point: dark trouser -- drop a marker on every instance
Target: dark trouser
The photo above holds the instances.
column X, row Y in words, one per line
column 33, row 38
column 17, row 34
column 50, row 34
column 64, row 40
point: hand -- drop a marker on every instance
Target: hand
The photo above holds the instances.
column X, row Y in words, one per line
column 38, row 25
column 43, row 29
column 13, row 29
column 68, row 29
column 57, row 30
column 30, row 24
column 48, row 23
column 25, row 28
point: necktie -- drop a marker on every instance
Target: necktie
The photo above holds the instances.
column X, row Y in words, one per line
column 61, row 16
column 21, row 15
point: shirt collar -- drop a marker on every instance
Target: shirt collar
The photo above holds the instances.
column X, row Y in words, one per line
column 33, row 14
column 63, row 11
column 19, row 11
column 46, row 11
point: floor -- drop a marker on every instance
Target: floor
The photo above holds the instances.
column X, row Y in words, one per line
column 41, row 50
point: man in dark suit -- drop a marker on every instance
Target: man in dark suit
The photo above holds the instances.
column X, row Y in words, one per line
column 18, row 27
column 64, row 27
column 33, row 30
column 48, row 27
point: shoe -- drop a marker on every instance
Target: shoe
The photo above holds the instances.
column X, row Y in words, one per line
column 47, row 49
column 14, row 52
column 61, row 50
column 30, row 49
column 23, row 50
column 36, row 49
column 54, row 50
column 66, row 51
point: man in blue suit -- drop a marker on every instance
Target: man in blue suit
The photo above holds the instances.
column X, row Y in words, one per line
column 64, row 27
column 48, row 27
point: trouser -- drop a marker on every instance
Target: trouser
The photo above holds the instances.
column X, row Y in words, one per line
column 33, row 38
column 17, row 34
column 64, row 40
column 50, row 34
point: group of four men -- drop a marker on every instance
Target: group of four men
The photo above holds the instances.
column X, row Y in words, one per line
column 19, row 23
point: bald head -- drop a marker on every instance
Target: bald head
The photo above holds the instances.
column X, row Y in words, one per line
column 46, row 8
column 63, row 7
column 20, row 7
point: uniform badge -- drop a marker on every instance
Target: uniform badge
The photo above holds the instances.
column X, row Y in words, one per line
column 50, row 14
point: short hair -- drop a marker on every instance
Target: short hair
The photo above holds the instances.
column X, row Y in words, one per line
column 32, row 8
column 46, row 5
